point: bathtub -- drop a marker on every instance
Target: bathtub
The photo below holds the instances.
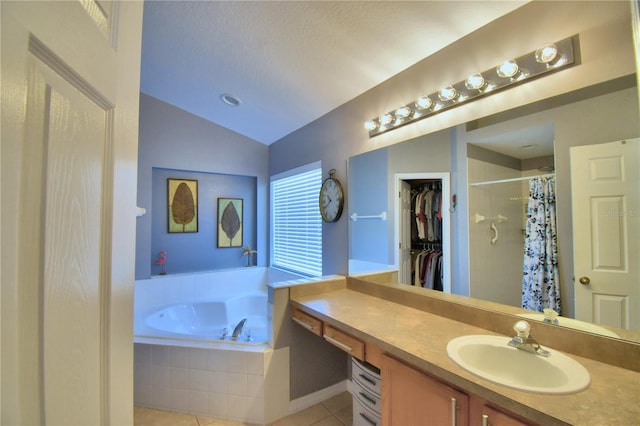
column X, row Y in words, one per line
column 213, row 320
column 182, row 362
column 196, row 308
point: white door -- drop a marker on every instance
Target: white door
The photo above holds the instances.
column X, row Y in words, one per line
column 405, row 218
column 606, row 232
column 70, row 89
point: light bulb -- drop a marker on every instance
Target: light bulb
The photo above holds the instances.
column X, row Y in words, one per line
column 371, row 125
column 424, row 102
column 403, row 112
column 547, row 54
column 507, row 69
column 447, row 93
column 474, row 82
column 386, row 119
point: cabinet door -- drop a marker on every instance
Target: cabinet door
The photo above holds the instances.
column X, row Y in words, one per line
column 493, row 417
column 411, row 397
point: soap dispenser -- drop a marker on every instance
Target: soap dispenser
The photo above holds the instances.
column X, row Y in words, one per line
column 550, row 316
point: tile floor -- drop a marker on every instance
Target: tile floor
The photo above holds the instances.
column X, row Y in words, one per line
column 336, row 411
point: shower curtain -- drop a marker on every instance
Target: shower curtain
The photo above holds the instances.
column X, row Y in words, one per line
column 540, row 282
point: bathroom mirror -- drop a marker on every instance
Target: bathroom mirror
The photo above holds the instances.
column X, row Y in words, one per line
column 477, row 152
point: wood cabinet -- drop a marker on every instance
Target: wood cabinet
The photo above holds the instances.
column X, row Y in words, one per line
column 411, row 397
column 344, row 341
column 373, row 354
column 484, row 414
column 307, row 321
column 338, row 338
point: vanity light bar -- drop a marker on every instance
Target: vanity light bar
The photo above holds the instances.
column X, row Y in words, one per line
column 549, row 58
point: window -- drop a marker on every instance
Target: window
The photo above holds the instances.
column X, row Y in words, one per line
column 296, row 224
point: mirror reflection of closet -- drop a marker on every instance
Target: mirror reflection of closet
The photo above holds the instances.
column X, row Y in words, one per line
column 424, row 230
column 499, row 172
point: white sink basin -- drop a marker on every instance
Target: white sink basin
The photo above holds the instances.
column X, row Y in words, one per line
column 572, row 323
column 491, row 358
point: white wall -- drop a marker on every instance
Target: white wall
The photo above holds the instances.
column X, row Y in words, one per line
column 496, row 268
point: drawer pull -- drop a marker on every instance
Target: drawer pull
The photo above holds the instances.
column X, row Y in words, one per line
column 367, row 379
column 368, row 398
column 371, row 422
column 302, row 323
column 338, row 343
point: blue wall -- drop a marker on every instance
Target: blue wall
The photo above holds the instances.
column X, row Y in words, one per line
column 225, row 163
column 198, row 251
column 368, row 196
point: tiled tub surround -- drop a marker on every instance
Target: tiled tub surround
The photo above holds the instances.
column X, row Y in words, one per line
column 202, row 376
column 220, row 383
column 415, row 328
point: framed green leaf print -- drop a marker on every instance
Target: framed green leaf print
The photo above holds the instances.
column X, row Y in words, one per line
column 182, row 196
column 229, row 222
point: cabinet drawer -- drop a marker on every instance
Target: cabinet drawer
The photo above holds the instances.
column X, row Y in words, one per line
column 366, row 397
column 306, row 321
column 363, row 416
column 342, row 340
column 365, row 377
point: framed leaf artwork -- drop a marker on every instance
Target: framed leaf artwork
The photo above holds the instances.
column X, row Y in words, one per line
column 182, row 196
column 229, row 222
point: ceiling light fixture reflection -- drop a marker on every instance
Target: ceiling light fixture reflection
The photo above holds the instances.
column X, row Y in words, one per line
column 547, row 59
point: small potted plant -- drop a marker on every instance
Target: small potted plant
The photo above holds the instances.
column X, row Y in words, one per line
column 248, row 251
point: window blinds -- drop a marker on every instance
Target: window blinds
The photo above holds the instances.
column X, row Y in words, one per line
column 296, row 242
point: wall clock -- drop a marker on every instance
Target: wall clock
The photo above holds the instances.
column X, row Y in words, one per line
column 331, row 198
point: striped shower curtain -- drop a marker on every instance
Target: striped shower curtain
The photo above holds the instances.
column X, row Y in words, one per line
column 540, row 282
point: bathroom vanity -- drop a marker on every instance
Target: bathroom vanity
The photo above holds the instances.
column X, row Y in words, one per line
column 406, row 335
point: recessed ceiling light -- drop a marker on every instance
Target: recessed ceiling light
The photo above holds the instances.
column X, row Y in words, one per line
column 230, row 100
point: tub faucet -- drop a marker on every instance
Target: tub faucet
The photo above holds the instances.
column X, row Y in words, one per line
column 524, row 342
column 238, row 330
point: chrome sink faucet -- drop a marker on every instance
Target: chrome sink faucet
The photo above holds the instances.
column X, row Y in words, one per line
column 524, row 342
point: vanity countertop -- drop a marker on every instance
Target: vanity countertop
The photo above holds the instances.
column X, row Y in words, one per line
column 420, row 339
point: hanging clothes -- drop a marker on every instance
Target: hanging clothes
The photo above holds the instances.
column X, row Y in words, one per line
column 428, row 269
column 426, row 235
column 428, row 214
column 540, row 279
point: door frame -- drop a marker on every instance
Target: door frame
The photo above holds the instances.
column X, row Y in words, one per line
column 401, row 240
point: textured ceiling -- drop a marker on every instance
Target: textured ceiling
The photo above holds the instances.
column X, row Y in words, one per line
column 524, row 143
column 291, row 62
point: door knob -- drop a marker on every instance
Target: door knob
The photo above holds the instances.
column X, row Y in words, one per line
column 584, row 280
